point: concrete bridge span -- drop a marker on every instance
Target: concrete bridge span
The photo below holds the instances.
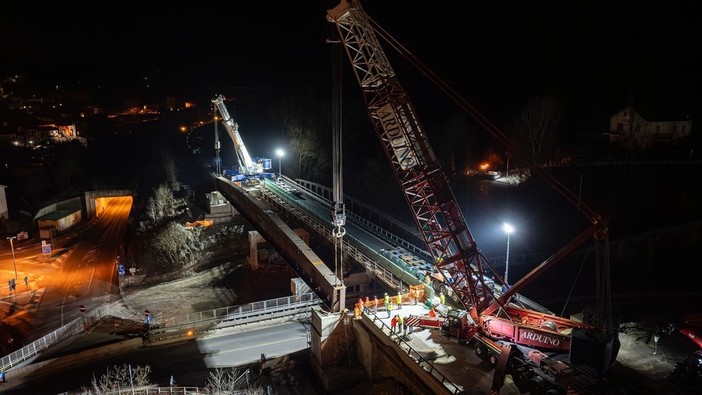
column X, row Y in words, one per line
column 288, row 244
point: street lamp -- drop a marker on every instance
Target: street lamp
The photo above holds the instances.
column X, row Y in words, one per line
column 280, row 153
column 507, row 168
column 14, row 261
column 509, row 229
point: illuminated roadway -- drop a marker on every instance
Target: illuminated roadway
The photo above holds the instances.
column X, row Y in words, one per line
column 86, row 273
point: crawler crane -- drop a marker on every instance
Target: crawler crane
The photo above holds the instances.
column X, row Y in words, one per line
column 497, row 326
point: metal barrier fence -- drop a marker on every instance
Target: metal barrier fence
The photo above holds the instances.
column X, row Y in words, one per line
column 230, row 316
column 150, row 391
column 295, row 307
column 255, row 309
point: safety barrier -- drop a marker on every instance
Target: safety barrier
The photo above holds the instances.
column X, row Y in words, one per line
column 415, row 291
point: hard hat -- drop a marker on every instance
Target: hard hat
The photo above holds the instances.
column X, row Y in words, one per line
column 386, row 293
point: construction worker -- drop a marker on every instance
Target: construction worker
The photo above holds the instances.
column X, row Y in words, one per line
column 413, row 294
column 357, row 312
column 400, row 323
column 388, row 304
column 393, row 324
column 432, row 313
column 366, row 304
column 360, row 304
column 399, row 300
column 442, row 298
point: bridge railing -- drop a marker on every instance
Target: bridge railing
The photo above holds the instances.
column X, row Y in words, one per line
column 295, row 305
column 247, row 312
column 384, row 226
column 151, row 390
column 321, row 193
column 367, row 257
column 74, row 327
column 414, row 354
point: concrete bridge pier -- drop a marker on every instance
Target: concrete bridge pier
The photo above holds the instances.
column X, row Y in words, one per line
column 346, row 351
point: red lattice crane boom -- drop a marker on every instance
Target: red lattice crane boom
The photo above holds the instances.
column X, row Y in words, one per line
column 430, row 197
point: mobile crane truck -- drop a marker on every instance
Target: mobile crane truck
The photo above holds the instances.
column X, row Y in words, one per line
column 249, row 168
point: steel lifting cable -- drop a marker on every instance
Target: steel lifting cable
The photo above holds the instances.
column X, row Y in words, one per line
column 338, row 215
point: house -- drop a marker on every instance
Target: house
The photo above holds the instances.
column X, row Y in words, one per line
column 631, row 129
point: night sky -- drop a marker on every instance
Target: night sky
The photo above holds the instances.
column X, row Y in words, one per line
column 594, row 56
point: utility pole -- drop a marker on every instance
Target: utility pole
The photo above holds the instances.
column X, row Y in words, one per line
column 218, row 167
column 14, row 261
column 338, row 210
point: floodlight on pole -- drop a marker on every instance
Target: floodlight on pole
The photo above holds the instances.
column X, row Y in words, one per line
column 509, row 229
column 280, row 154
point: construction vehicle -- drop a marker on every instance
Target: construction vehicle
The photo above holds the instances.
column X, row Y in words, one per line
column 688, row 373
column 249, row 168
column 486, row 315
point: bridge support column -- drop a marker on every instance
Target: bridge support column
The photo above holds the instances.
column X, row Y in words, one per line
column 255, row 239
column 332, row 338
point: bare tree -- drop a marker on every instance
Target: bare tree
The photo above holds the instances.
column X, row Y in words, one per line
column 161, row 206
column 119, row 378
column 169, row 167
column 173, row 247
column 301, row 119
column 535, row 127
column 231, row 381
column 457, row 144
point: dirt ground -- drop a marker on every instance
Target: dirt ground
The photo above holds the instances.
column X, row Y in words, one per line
column 229, row 284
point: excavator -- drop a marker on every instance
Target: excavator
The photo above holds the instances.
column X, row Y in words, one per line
column 516, row 339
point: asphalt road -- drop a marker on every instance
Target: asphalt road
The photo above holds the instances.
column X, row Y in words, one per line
column 82, row 271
